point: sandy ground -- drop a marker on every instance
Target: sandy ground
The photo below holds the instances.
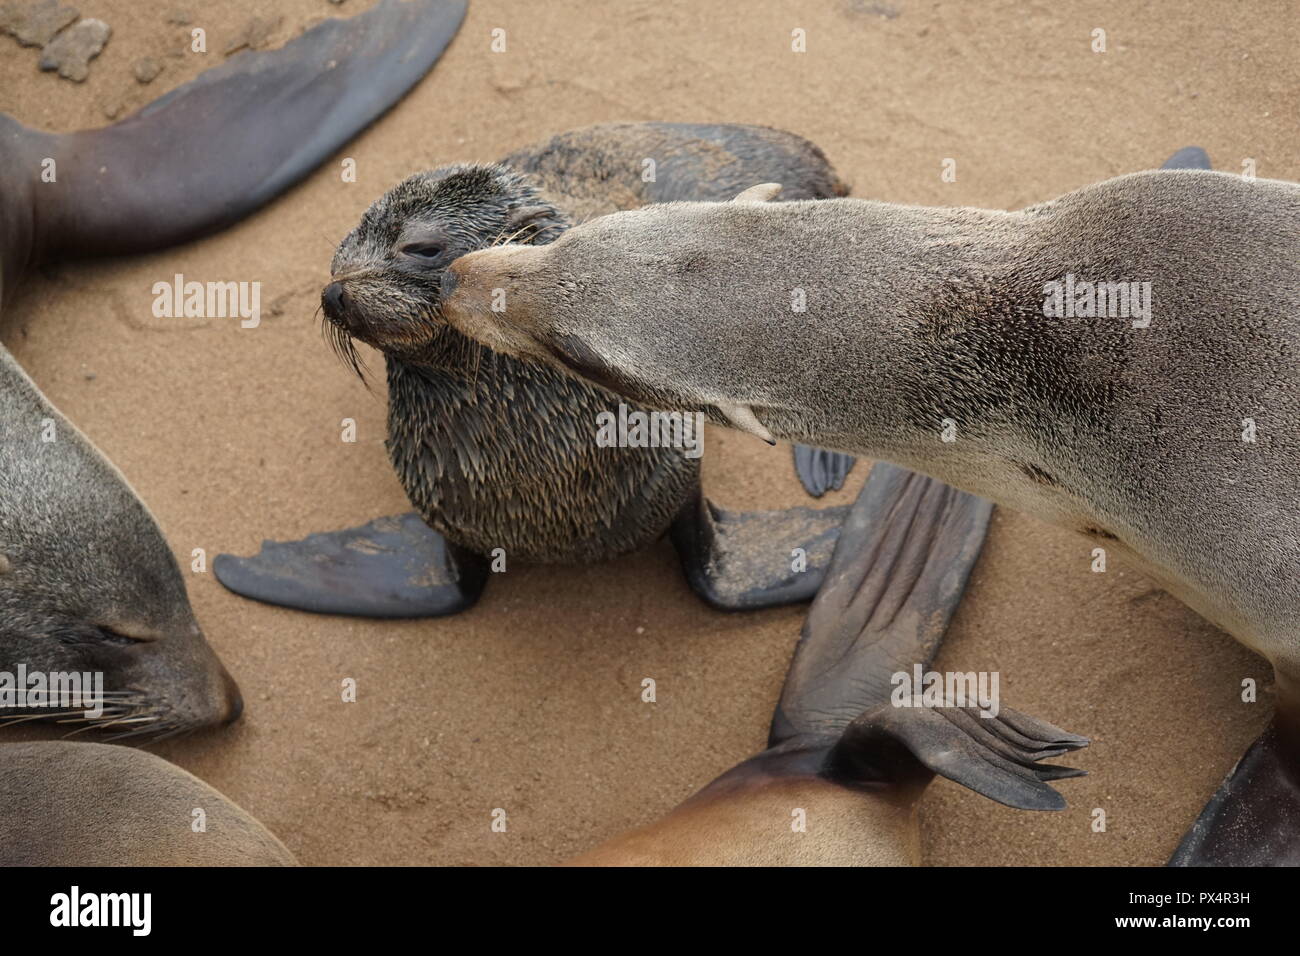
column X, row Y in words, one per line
column 530, row 702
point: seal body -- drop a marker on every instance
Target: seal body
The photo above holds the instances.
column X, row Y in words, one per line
column 1120, row 361
column 921, row 320
column 83, row 804
column 499, row 452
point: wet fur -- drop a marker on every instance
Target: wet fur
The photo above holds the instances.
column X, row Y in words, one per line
column 496, row 451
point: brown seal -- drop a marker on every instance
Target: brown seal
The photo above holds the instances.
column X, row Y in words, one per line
column 1119, row 361
column 84, row 804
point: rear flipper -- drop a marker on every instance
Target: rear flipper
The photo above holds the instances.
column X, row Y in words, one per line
column 820, row 470
column 739, row 561
column 898, row 572
column 391, row 567
column 210, row 152
column 1254, row 818
column 997, row 757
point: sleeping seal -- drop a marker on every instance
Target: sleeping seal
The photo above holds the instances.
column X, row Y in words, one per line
column 1157, row 411
column 78, row 804
column 88, row 584
column 503, row 456
column 842, row 759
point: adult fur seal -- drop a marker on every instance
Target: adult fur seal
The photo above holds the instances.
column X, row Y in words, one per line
column 82, row 804
column 931, row 323
column 497, row 453
column 87, row 582
column 842, row 758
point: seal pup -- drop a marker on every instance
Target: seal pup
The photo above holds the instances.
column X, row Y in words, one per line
column 841, row 754
column 85, row 804
column 88, row 584
column 1170, row 436
column 496, row 453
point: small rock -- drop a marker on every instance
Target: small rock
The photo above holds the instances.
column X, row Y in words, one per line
column 114, row 110
column 179, row 17
column 35, row 24
column 255, row 35
column 146, row 69
column 72, row 50
column 336, row 2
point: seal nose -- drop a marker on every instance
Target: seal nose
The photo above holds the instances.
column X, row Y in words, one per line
column 333, row 300
column 234, row 699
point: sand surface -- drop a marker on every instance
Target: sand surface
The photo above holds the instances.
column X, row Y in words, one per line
column 530, row 702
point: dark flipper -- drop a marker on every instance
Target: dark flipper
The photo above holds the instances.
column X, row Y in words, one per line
column 820, row 470
column 392, row 567
column 1254, row 818
column 739, row 561
column 898, row 573
column 212, row 151
column 1189, row 157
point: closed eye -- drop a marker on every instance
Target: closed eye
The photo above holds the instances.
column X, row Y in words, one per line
column 117, row 638
column 422, row 250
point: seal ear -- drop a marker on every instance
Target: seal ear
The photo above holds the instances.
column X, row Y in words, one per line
column 763, row 192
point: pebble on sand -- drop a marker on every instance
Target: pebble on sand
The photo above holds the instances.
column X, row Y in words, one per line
column 35, row 24
column 72, row 50
column 146, row 69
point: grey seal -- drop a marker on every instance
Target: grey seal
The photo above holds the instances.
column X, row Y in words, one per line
column 88, row 584
column 500, row 456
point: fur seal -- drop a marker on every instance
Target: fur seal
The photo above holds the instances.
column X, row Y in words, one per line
column 83, row 804
column 497, row 453
column 87, row 581
column 1139, row 431
column 840, row 752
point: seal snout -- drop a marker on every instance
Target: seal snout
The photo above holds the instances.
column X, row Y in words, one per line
column 332, row 299
column 234, row 700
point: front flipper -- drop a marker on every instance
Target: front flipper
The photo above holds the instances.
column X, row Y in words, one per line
column 392, row 567
column 740, row 561
column 820, row 470
column 210, row 152
column 1254, row 818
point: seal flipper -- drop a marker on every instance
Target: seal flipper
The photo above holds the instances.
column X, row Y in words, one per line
column 1253, row 819
column 820, row 470
column 742, row 561
column 895, row 580
column 210, row 152
column 391, row 567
